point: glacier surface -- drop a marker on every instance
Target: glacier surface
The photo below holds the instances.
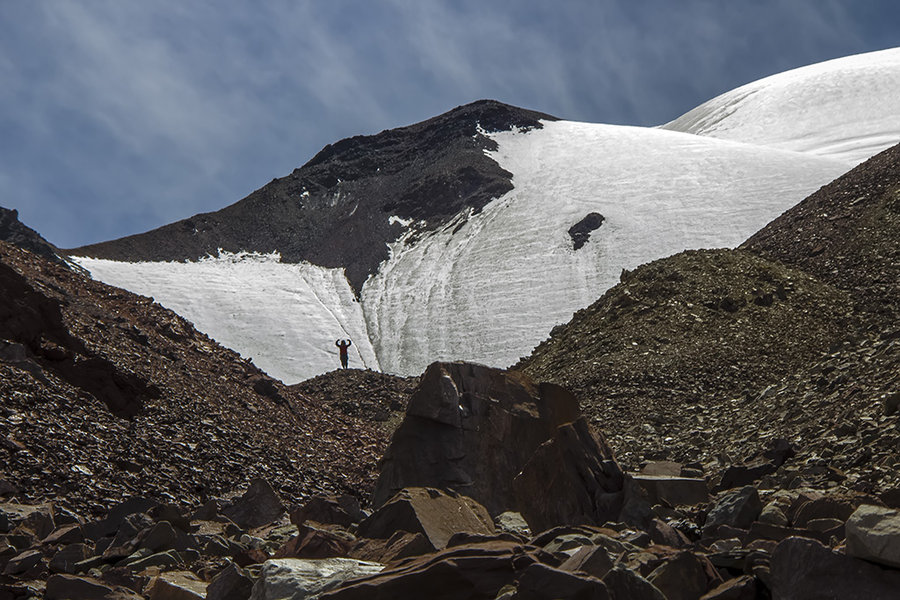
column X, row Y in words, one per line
column 490, row 286
column 847, row 108
column 285, row 317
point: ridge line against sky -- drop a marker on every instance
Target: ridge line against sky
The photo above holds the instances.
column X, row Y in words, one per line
column 118, row 116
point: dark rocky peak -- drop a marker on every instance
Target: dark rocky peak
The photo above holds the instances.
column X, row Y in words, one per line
column 15, row 232
column 846, row 234
column 335, row 210
column 463, row 121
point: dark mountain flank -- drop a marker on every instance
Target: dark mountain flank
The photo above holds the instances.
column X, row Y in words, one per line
column 847, row 234
column 335, row 210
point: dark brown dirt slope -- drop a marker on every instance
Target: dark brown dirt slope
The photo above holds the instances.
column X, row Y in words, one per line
column 105, row 394
column 847, row 234
column 698, row 329
column 335, row 210
column 376, row 398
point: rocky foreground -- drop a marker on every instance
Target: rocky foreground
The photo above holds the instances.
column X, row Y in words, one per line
column 748, row 403
column 582, row 528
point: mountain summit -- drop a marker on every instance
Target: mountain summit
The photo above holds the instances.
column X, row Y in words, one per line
column 335, row 211
column 471, row 235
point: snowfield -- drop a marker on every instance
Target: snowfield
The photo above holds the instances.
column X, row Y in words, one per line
column 489, row 287
column 847, row 108
column 492, row 290
column 285, row 317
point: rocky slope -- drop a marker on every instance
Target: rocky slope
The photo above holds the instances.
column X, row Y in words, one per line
column 107, row 395
column 589, row 531
column 846, row 234
column 334, row 210
column 376, row 398
column 12, row 230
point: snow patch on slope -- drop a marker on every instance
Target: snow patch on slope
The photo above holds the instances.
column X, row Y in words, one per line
column 847, row 108
column 285, row 317
column 491, row 288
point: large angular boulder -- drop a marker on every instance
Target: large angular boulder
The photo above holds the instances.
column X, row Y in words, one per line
column 435, row 514
column 472, row 429
column 736, row 508
column 258, row 506
column 469, row 571
column 673, row 491
column 570, row 479
column 873, row 533
column 804, row 569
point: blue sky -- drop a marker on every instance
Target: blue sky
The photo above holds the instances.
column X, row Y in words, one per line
column 117, row 116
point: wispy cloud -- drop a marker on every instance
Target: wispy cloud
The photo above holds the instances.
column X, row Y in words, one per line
column 119, row 115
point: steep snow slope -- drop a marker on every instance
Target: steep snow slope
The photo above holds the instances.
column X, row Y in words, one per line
column 285, row 317
column 847, row 108
column 490, row 287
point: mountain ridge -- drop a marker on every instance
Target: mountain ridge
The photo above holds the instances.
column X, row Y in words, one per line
column 334, row 210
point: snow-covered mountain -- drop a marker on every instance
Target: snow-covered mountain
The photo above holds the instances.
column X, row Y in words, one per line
column 844, row 108
column 456, row 238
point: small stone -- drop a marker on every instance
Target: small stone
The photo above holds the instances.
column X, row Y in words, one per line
column 740, row 588
column 65, row 560
column 773, row 515
column 304, row 578
column 681, row 578
column 69, row 587
column 259, row 506
column 624, row 584
column 231, row 583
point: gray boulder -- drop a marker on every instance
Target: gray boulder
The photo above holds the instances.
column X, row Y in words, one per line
column 735, row 508
column 873, row 533
column 298, row 579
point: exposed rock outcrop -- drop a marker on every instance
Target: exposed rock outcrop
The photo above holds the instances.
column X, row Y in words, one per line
column 473, row 429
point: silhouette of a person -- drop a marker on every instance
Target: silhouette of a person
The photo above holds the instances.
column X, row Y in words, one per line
column 343, row 345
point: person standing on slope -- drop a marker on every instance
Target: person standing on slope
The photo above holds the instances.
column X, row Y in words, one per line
column 343, row 345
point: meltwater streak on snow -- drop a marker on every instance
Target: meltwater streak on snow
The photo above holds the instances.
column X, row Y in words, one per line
column 286, row 317
column 493, row 289
column 847, row 108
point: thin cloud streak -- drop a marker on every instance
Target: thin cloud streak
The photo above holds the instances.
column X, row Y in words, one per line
column 118, row 116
